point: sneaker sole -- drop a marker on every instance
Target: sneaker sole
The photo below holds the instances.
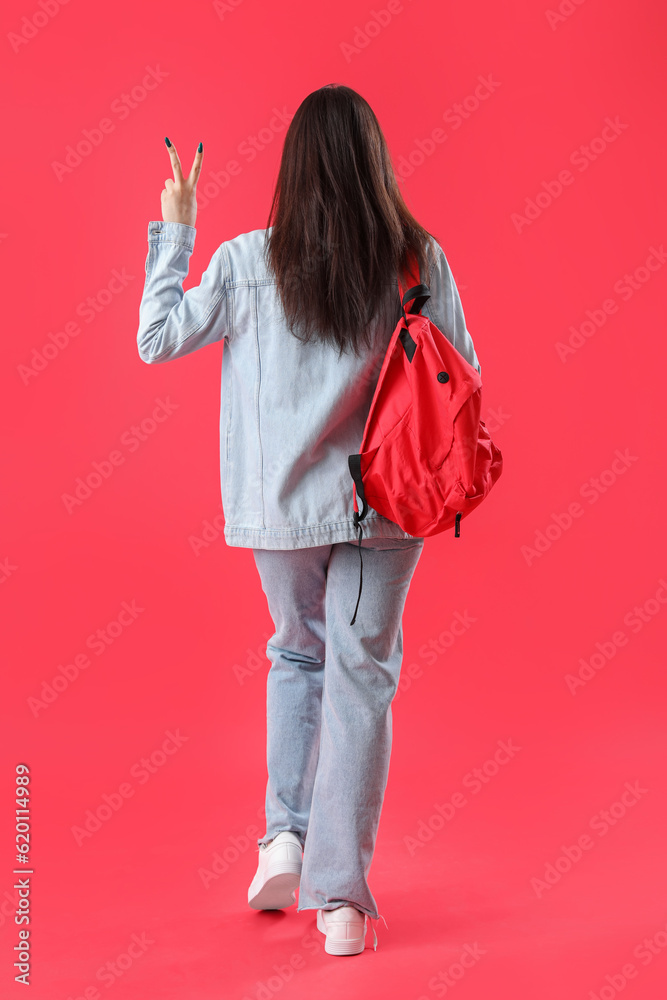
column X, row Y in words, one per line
column 353, row 946
column 277, row 891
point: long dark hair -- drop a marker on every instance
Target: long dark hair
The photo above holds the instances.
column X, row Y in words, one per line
column 339, row 229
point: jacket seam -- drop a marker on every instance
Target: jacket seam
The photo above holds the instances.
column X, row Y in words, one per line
column 304, row 527
column 231, row 313
column 432, row 268
column 254, row 282
column 153, row 241
column 228, row 306
column 247, row 282
column 260, row 454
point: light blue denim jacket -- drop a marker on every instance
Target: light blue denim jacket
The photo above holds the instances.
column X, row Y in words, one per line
column 290, row 413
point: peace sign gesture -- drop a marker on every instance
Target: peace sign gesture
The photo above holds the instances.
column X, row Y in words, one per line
column 179, row 197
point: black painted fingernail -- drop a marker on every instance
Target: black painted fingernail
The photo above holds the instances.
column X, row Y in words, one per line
column 167, row 141
column 200, row 147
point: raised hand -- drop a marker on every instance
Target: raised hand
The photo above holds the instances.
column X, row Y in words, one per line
column 179, row 197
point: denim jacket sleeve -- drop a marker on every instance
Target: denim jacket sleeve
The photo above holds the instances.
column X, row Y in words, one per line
column 172, row 322
column 445, row 309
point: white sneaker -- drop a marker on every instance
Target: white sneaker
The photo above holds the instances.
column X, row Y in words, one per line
column 278, row 873
column 344, row 929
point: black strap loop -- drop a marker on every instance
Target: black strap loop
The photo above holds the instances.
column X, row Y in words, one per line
column 357, row 522
column 354, row 463
column 420, row 294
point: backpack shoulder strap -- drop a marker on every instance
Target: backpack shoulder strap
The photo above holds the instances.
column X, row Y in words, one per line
column 415, row 292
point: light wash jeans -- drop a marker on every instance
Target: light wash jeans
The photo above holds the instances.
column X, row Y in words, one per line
column 329, row 693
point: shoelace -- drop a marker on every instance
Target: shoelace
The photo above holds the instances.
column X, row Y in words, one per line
column 375, row 937
column 379, row 916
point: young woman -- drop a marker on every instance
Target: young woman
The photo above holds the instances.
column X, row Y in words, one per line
column 306, row 308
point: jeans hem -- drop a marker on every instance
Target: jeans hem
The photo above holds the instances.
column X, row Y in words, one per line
column 335, row 906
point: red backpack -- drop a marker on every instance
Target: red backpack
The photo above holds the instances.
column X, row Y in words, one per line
column 426, row 458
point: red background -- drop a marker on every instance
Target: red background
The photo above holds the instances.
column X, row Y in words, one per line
column 178, row 666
